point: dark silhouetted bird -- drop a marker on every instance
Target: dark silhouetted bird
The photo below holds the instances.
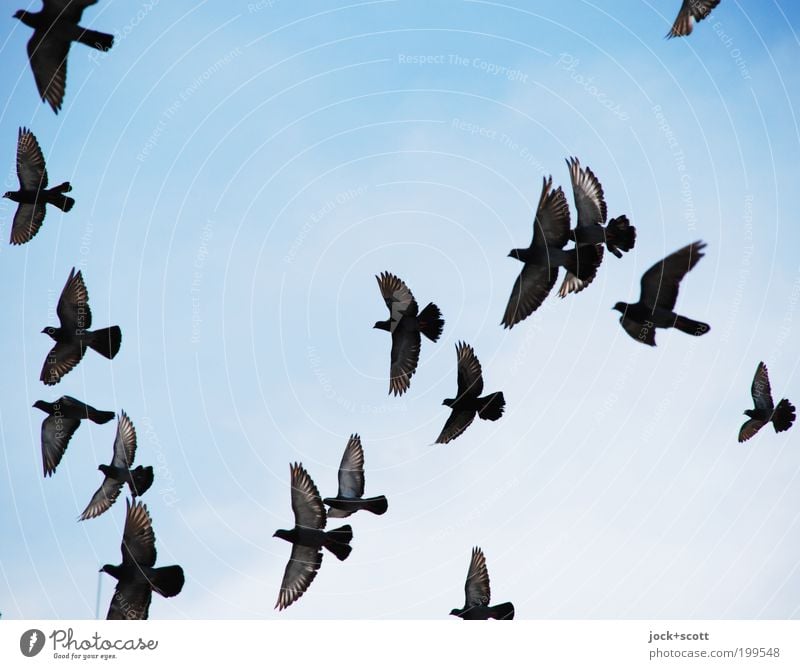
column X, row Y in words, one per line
column 781, row 416
column 73, row 336
column 478, row 594
column 64, row 416
column 350, row 497
column 55, row 28
column 659, row 293
column 545, row 255
column 468, row 403
column 690, row 12
column 33, row 194
column 119, row 472
column 618, row 236
column 308, row 537
column 138, row 576
column 405, row 325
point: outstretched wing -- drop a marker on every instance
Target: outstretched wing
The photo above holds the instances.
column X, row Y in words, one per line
column 690, row 12
column 551, row 225
column 532, row 286
column 124, row 443
column 56, row 433
column 301, row 570
column 661, row 282
column 138, row 539
column 306, row 503
column 589, row 199
column 477, row 588
column 351, row 470
column 761, row 390
column 31, row 169
column 397, row 296
column 470, row 378
column 73, row 305
column 404, row 359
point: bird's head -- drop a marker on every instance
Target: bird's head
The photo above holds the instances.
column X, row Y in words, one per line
column 41, row 404
column 455, row 612
column 749, row 413
column 50, row 332
column 7, row 194
column 381, row 325
column 283, row 534
column 111, row 570
column 104, row 468
column 448, row 402
column 619, row 306
column 515, row 253
column 20, row 14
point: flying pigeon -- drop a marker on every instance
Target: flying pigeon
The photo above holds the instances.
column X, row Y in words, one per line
column 618, row 236
column 350, row 497
column 63, row 418
column 137, row 576
column 308, row 537
column 119, row 472
column 478, row 594
column 73, row 335
column 781, row 416
column 468, row 403
column 33, row 194
column 690, row 12
column 55, row 28
column 544, row 256
column 659, row 293
column 405, row 325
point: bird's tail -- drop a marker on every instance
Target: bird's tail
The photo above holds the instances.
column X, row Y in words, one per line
column 783, row 416
column 56, row 196
column 584, row 261
column 342, row 508
column 142, row 479
column 377, row 505
column 338, row 541
column 168, row 581
column 99, row 417
column 691, row 327
column 96, row 40
column 431, row 322
column 503, row 611
column 620, row 235
column 106, row 341
column 491, row 406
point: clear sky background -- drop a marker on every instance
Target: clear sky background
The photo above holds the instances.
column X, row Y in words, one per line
column 242, row 172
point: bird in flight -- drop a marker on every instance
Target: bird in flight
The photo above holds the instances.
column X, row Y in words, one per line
column 405, row 323
column 119, row 472
column 64, row 416
column 618, row 236
column 350, row 497
column 33, row 194
column 781, row 416
column 468, row 403
column 73, row 336
column 545, row 255
column 137, row 576
column 659, row 292
column 690, row 12
column 478, row 594
column 308, row 537
column 55, row 28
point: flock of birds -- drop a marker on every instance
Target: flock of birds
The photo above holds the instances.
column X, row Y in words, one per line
column 56, row 27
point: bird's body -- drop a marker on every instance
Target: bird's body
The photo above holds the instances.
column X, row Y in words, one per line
column 691, row 12
column 478, row 594
column 119, row 472
column 659, row 293
column 406, row 325
column 545, row 255
column 73, row 336
column 55, row 28
column 308, row 537
column 781, row 416
column 63, row 419
column 467, row 404
column 33, row 195
column 137, row 576
column 350, row 496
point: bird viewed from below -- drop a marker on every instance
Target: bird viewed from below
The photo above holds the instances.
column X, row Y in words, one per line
column 119, row 472
column 468, row 402
column 659, row 292
column 405, row 325
column 137, row 576
column 55, row 28
column 781, row 416
column 73, row 335
column 690, row 12
column 33, row 194
column 544, row 256
column 478, row 594
column 308, row 537
column 63, row 418
column 618, row 236
column 350, row 497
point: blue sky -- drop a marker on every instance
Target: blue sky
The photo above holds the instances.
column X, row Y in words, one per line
column 243, row 173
